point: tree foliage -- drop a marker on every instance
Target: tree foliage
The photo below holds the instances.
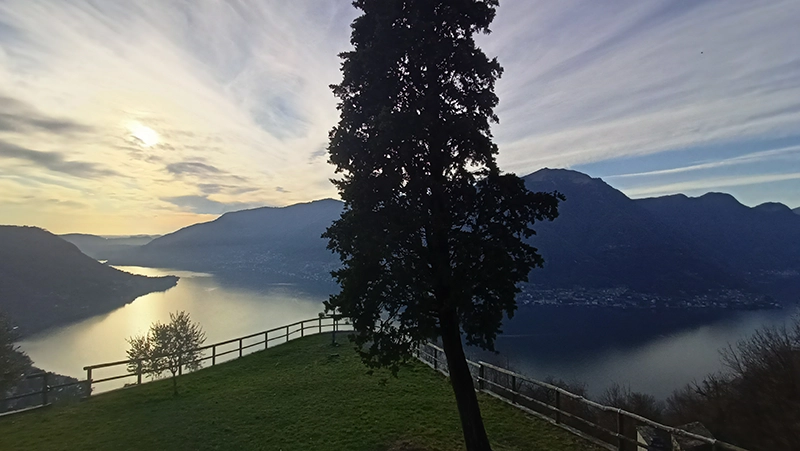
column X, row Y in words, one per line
column 13, row 362
column 170, row 347
column 755, row 402
column 432, row 236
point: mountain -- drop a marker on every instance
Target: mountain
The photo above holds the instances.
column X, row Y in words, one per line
column 671, row 246
column 796, row 211
column 102, row 248
column 263, row 242
column 603, row 239
column 46, row 281
column 761, row 243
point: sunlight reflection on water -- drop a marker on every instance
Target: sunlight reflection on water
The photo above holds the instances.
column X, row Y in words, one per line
column 222, row 311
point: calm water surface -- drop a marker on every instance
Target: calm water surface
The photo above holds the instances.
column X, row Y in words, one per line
column 654, row 352
column 224, row 312
column 650, row 351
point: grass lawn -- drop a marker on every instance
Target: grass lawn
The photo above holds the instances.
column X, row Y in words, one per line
column 296, row 396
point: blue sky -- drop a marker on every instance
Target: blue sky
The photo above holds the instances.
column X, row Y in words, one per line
column 141, row 117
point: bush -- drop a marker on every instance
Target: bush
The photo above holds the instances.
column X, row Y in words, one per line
column 755, row 401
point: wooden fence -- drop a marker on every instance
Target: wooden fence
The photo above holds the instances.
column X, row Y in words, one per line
column 216, row 353
column 608, row 427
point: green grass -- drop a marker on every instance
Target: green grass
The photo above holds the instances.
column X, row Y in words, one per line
column 297, row 396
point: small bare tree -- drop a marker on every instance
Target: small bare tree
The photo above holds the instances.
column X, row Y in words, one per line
column 168, row 347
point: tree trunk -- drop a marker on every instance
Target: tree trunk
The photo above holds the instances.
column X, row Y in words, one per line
column 174, row 385
column 461, row 379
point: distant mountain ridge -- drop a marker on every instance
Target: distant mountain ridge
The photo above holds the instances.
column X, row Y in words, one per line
column 46, row 281
column 602, row 239
column 271, row 242
column 101, row 248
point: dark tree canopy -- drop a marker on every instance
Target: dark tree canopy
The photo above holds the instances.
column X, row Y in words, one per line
column 432, row 234
column 430, row 224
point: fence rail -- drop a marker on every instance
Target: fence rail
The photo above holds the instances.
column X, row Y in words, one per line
column 217, row 353
column 543, row 400
column 549, row 402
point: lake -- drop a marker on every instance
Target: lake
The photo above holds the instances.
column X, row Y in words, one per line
column 654, row 352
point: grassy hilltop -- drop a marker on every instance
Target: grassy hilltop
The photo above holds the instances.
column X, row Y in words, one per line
column 297, row 396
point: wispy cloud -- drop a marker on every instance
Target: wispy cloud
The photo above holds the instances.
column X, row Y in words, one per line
column 204, row 205
column 587, row 81
column 54, row 161
column 19, row 117
column 236, row 95
column 192, row 167
column 792, row 151
column 710, row 183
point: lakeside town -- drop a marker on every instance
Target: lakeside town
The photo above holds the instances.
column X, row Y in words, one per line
column 624, row 298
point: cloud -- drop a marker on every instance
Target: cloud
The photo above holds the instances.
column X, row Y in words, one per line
column 217, row 188
column 192, row 167
column 237, row 93
column 71, row 204
column 754, row 157
column 54, row 161
column 588, row 81
column 204, row 205
column 710, row 184
column 17, row 116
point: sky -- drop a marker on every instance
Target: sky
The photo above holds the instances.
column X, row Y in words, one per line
column 129, row 117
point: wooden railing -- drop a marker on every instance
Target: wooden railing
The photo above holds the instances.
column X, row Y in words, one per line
column 567, row 410
column 215, row 352
column 44, row 394
column 608, row 427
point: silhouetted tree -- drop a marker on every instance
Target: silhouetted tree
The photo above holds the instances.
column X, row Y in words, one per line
column 432, row 234
column 623, row 397
column 168, row 347
column 13, row 362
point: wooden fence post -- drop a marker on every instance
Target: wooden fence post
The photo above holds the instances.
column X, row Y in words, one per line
column 266, row 339
column 45, row 389
column 513, row 389
column 240, row 347
column 213, row 355
column 621, row 445
column 287, row 334
column 481, row 375
column 139, row 372
column 558, row 407
column 302, row 329
column 320, row 324
column 88, row 382
column 435, row 359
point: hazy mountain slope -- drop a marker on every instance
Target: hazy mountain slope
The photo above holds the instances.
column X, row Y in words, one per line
column 765, row 238
column 601, row 239
column 103, row 248
column 278, row 241
column 762, row 243
column 797, row 210
column 604, row 239
column 46, row 281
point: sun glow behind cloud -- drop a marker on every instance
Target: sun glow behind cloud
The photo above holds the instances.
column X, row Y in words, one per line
column 144, row 134
column 140, row 117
